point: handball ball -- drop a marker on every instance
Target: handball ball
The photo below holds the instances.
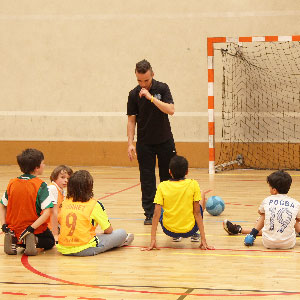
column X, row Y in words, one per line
column 215, row 205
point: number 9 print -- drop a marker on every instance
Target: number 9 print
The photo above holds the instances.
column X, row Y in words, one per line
column 71, row 224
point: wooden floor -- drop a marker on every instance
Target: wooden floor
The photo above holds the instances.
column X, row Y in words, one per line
column 178, row 270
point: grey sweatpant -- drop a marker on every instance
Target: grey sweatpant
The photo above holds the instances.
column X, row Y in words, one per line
column 106, row 242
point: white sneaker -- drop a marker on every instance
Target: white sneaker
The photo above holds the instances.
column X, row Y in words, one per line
column 176, row 240
column 195, row 237
column 129, row 239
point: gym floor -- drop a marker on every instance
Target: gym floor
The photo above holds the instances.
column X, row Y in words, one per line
column 177, row 270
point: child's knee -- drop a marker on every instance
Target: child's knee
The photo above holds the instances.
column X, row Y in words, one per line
column 46, row 243
column 121, row 233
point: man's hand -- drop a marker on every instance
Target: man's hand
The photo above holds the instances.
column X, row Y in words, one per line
column 28, row 230
column 5, row 228
column 145, row 93
column 131, row 152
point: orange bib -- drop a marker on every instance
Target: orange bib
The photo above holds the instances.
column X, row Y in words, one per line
column 21, row 206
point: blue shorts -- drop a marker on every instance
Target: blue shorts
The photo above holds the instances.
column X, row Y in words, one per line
column 176, row 234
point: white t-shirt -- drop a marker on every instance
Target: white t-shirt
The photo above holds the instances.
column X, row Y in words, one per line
column 280, row 212
column 54, row 192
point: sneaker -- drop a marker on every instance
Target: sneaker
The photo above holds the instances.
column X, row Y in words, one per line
column 148, row 221
column 129, row 239
column 30, row 244
column 10, row 243
column 195, row 237
column 178, row 239
column 231, row 229
column 249, row 240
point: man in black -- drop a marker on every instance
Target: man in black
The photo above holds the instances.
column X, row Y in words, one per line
column 148, row 106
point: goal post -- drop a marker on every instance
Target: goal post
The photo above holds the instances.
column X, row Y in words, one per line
column 261, row 101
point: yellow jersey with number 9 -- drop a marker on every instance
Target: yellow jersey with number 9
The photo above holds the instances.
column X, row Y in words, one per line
column 76, row 228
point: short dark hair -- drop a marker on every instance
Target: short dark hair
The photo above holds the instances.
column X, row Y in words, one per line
column 178, row 166
column 58, row 170
column 143, row 66
column 80, row 186
column 281, row 181
column 30, row 159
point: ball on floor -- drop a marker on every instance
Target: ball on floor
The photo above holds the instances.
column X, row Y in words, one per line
column 215, row 205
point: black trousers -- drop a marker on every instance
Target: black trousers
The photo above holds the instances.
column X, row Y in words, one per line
column 45, row 239
column 146, row 155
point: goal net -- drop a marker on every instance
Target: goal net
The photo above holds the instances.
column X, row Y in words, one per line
column 261, row 104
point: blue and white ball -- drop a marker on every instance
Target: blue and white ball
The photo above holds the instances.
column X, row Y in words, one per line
column 215, row 205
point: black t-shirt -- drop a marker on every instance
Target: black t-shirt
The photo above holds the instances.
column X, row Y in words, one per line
column 153, row 126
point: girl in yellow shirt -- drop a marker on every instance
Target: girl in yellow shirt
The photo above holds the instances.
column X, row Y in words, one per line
column 79, row 216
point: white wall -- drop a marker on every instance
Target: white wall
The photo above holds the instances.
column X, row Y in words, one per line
column 67, row 66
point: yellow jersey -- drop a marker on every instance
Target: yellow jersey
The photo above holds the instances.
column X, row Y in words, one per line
column 177, row 198
column 78, row 222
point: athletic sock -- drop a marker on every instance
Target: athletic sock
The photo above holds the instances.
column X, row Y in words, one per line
column 240, row 228
column 254, row 232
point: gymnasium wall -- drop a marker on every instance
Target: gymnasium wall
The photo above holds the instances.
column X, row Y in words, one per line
column 67, row 68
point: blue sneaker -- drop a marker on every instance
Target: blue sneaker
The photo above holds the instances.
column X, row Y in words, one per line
column 249, row 240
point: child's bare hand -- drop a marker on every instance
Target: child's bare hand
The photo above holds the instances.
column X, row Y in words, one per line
column 151, row 247
column 204, row 246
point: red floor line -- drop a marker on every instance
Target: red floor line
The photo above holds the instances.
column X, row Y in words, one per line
column 50, row 296
column 229, row 203
column 91, row 298
column 27, row 265
column 111, row 194
column 15, row 294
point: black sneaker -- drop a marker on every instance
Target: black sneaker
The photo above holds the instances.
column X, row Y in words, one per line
column 231, row 229
column 148, row 221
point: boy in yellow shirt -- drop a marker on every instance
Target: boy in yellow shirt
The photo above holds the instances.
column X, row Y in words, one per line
column 177, row 206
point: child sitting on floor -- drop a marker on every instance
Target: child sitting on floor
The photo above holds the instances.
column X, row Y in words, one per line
column 25, row 207
column 177, row 206
column 59, row 180
column 279, row 216
column 79, row 216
